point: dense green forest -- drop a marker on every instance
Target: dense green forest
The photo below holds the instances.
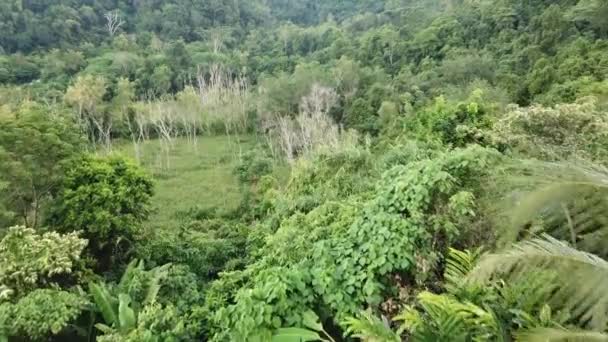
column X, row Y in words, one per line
column 303, row 170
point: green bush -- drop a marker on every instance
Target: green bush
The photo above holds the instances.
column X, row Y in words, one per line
column 107, row 198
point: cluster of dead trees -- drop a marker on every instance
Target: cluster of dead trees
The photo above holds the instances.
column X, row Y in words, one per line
column 311, row 129
column 219, row 103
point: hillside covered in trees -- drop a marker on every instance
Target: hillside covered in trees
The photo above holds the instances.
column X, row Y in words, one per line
column 303, row 170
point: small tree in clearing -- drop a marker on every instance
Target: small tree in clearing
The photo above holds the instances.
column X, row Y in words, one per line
column 189, row 110
column 162, row 121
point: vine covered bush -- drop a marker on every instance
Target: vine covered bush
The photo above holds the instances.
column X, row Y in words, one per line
column 341, row 257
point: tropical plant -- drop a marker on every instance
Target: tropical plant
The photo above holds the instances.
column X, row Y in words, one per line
column 120, row 305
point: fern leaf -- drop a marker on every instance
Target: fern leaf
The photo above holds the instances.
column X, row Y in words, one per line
column 370, row 328
column 581, row 276
column 571, row 198
column 560, row 335
column 443, row 318
column 458, row 265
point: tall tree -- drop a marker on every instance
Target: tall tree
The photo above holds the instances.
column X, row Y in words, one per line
column 33, row 147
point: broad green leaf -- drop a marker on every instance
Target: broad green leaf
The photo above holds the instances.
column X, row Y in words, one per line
column 311, row 321
column 126, row 315
column 295, row 335
column 104, row 328
column 159, row 274
column 104, row 302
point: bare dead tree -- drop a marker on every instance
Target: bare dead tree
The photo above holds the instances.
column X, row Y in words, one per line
column 113, row 22
column 313, row 128
column 188, row 111
column 315, row 124
column 288, row 137
column 138, row 127
column 224, row 98
column 103, row 123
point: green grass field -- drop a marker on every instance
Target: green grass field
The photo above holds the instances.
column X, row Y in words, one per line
column 196, row 177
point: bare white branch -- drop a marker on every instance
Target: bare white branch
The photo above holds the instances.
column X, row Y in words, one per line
column 113, row 22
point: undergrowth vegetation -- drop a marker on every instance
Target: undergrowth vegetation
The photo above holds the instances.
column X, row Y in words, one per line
column 303, row 170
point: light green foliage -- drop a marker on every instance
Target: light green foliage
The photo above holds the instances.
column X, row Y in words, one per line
column 471, row 311
column 568, row 130
column 29, row 260
column 563, row 199
column 278, row 299
column 253, row 165
column 108, row 199
column 370, row 328
column 86, row 95
column 62, row 64
column 313, row 331
column 33, row 266
column 206, row 245
column 594, row 11
column 41, row 313
column 582, row 300
column 330, row 175
column 154, row 324
column 442, row 318
column 282, row 94
column 551, row 335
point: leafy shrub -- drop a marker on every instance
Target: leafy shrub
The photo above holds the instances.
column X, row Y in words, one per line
column 41, row 313
column 456, row 126
column 252, row 166
column 29, row 260
column 207, row 247
column 108, row 199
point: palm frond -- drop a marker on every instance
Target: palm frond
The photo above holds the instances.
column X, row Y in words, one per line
column 458, row 266
column 569, row 198
column 581, row 276
column 560, row 335
column 444, row 318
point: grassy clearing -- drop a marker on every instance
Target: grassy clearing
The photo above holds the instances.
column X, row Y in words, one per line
column 197, row 177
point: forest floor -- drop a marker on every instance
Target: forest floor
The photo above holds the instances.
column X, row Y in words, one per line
column 194, row 177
